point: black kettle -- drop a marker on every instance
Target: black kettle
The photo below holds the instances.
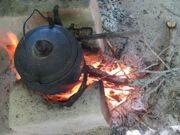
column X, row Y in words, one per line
column 48, row 58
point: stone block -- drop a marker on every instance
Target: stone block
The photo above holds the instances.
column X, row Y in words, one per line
column 30, row 114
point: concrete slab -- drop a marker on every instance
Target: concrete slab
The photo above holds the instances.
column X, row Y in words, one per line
column 29, row 113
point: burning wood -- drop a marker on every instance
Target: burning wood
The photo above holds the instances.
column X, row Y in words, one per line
column 94, row 72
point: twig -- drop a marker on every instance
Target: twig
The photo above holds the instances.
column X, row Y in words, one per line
column 146, row 44
column 108, row 35
column 156, row 88
column 105, row 76
column 146, row 81
column 115, row 108
column 165, row 49
column 145, row 124
column 150, row 66
column 160, row 72
column 119, row 104
column 152, row 78
column 110, row 46
column 137, row 61
column 141, row 70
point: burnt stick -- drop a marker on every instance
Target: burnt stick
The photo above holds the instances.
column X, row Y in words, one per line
column 94, row 72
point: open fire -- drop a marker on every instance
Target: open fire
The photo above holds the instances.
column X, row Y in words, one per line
column 115, row 93
column 10, row 41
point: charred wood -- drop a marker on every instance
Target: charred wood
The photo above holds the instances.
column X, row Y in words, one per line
column 94, row 72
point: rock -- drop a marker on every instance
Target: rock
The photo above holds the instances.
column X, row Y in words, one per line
column 171, row 24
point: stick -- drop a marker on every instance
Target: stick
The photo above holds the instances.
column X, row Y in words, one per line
column 162, row 71
column 108, row 35
column 164, row 50
column 167, row 66
column 110, row 46
column 156, row 88
column 150, row 66
column 105, row 76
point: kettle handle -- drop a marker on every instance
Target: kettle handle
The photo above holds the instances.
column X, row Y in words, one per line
column 49, row 19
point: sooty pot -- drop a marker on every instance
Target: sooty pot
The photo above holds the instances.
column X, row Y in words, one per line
column 49, row 59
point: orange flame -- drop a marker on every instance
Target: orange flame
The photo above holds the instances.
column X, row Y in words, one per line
column 67, row 94
column 10, row 42
column 115, row 94
column 13, row 43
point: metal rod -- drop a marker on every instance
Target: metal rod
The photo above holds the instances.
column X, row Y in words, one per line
column 108, row 35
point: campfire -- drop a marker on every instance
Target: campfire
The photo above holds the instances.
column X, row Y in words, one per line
column 119, row 76
column 86, row 66
column 115, row 75
column 115, row 78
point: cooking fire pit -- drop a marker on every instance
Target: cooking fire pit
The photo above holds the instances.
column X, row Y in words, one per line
column 51, row 62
